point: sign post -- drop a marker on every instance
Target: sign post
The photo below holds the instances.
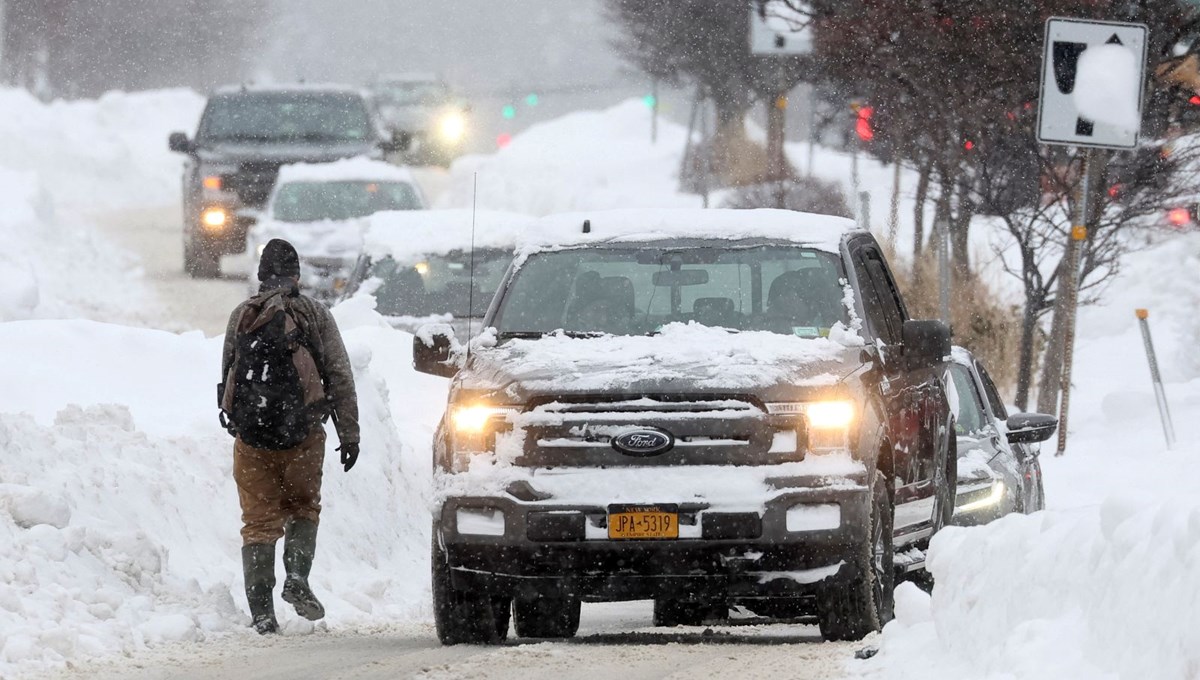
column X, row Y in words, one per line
column 1091, row 97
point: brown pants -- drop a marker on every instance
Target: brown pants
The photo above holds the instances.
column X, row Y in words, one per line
column 275, row 486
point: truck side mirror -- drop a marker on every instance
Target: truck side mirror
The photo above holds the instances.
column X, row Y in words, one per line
column 926, row 343
column 433, row 347
column 399, row 142
column 179, row 143
column 1030, row 428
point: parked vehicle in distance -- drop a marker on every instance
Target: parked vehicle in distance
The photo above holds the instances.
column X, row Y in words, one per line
column 322, row 209
column 426, row 111
column 998, row 468
column 245, row 135
column 706, row 408
column 436, row 265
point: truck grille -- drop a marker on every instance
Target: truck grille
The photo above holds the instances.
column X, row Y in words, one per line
column 253, row 182
column 716, row 431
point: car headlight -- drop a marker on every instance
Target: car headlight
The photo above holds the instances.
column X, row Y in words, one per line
column 473, row 429
column 993, row 497
column 827, row 422
column 452, row 127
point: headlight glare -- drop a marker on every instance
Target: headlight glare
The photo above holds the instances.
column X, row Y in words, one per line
column 452, row 127
column 828, row 415
column 214, row 218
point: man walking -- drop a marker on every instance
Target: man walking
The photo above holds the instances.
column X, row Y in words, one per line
column 284, row 372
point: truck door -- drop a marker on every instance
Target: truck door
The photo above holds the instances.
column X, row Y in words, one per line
column 911, row 398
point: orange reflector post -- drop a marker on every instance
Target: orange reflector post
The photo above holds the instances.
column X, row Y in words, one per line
column 1142, row 313
column 1079, row 232
column 212, row 182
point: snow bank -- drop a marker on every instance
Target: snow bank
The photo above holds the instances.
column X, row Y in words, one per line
column 105, row 153
column 118, row 511
column 589, row 160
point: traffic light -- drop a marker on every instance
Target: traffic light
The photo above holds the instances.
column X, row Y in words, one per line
column 650, row 101
column 509, row 112
column 862, row 123
column 531, row 99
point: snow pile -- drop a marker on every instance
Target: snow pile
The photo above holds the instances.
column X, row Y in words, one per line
column 49, row 268
column 105, row 153
column 589, row 160
column 118, row 511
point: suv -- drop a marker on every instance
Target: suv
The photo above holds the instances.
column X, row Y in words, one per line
column 706, row 408
column 245, row 135
column 426, row 111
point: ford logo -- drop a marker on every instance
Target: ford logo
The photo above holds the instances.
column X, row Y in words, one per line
column 645, row 442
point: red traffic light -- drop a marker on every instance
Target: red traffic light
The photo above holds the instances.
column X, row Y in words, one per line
column 503, row 139
column 862, row 123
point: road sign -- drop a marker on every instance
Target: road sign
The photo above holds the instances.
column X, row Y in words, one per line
column 777, row 29
column 1060, row 120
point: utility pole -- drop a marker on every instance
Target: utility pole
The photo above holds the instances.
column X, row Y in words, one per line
column 776, row 161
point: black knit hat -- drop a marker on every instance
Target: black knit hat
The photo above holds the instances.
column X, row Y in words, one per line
column 279, row 258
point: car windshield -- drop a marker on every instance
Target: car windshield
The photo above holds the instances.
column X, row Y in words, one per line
column 285, row 117
column 315, row 201
column 413, row 94
column 626, row 291
column 440, row 284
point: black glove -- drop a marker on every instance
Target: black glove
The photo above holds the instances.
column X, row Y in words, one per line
column 349, row 454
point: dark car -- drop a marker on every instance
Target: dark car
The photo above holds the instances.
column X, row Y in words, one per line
column 998, row 468
column 703, row 408
column 245, row 135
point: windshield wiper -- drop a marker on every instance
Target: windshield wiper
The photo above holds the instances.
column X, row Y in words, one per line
column 533, row 335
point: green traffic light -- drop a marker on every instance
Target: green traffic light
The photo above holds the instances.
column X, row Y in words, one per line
column 650, row 101
column 509, row 111
column 531, row 99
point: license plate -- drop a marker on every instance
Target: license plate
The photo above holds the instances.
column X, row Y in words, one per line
column 643, row 522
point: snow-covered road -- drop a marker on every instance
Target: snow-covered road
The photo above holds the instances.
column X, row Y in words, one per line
column 614, row 641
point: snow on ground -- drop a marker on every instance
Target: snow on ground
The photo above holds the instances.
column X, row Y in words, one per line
column 63, row 160
column 111, row 452
column 118, row 516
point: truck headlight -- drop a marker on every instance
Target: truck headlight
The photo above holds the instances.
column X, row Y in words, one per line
column 473, row 429
column 827, row 422
column 452, row 127
column 214, row 219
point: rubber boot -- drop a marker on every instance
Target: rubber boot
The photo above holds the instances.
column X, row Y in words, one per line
column 258, row 565
column 299, row 547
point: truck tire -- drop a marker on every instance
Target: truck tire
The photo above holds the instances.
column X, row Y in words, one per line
column 460, row 616
column 200, row 262
column 945, row 485
column 852, row 611
column 546, row 617
column 670, row 612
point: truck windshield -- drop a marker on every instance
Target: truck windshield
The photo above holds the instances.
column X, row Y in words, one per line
column 439, row 284
column 625, row 291
column 317, row 117
column 315, row 201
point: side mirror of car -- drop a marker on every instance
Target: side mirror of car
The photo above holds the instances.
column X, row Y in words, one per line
column 1030, row 428
column 179, row 143
column 926, row 343
column 399, row 142
column 433, row 348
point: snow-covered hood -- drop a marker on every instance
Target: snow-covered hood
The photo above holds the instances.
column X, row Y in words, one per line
column 682, row 358
column 319, row 240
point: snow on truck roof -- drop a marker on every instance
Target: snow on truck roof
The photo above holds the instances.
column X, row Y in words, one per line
column 819, row 231
column 410, row 235
column 348, row 169
column 289, row 87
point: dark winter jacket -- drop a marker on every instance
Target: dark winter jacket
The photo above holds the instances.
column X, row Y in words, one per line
column 325, row 342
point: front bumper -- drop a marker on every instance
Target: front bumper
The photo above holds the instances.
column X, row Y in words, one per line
column 539, row 548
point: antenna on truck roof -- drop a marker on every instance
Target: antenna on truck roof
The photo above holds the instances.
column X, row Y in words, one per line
column 471, row 290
